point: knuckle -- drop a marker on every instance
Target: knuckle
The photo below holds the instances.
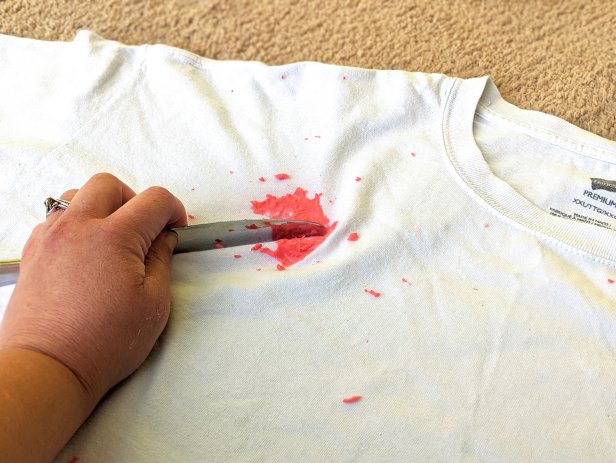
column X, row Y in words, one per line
column 105, row 177
column 159, row 193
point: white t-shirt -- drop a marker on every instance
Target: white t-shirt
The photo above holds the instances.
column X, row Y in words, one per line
column 488, row 233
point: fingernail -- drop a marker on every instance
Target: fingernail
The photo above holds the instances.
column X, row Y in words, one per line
column 171, row 238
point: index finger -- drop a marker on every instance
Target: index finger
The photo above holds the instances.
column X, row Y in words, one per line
column 149, row 213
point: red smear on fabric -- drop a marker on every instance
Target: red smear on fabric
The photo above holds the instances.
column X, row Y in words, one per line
column 192, row 189
column 258, row 270
column 231, row 172
column 353, row 237
column 219, row 245
column 261, row 179
column 358, row 179
column 372, row 292
column 281, row 176
column 252, row 226
column 610, row 281
column 294, row 206
column 317, row 136
column 256, row 247
column 344, row 78
column 237, row 256
column 353, row 398
column 404, row 280
column 306, row 138
column 283, row 77
column 192, row 217
column 413, row 154
column 280, row 267
column 486, row 225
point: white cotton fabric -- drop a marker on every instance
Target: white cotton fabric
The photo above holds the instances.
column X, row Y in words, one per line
column 501, row 346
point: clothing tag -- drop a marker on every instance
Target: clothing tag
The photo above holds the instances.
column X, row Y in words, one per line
column 596, row 208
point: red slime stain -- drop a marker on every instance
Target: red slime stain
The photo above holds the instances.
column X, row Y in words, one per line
column 413, row 154
column 252, row 226
column 256, row 247
column 358, row 179
column 610, row 281
column 353, row 398
column 218, row 240
column 282, row 176
column 294, row 206
column 74, row 460
column 219, row 245
column 353, row 237
column 280, row 267
column 261, row 179
column 192, row 217
column 404, row 280
column 372, row 292
column 237, row 256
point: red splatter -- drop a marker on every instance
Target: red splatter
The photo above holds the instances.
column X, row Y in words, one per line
column 231, row 172
column 281, row 176
column 404, row 280
column 219, row 245
column 256, row 247
column 372, row 292
column 296, row 206
column 413, row 154
column 231, row 229
column 280, row 267
column 261, row 179
column 237, row 256
column 353, row 398
column 192, row 189
column 218, row 240
column 258, row 270
column 305, row 138
column 317, row 136
column 358, row 179
column 486, row 225
column 353, row 237
column 283, row 77
column 344, row 78
column 74, row 460
column 610, row 281
column 252, row 226
column 192, row 217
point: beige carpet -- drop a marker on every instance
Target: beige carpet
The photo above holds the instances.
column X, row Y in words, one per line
column 554, row 56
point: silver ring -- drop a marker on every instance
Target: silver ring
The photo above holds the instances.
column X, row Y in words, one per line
column 52, row 205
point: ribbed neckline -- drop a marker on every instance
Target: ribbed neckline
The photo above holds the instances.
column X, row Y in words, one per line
column 468, row 97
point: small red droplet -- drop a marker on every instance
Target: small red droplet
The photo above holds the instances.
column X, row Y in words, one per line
column 281, row 267
column 281, row 176
column 610, row 281
column 218, row 240
column 258, row 270
column 192, row 189
column 344, row 78
column 358, row 179
column 317, row 136
column 231, row 172
column 413, row 154
column 192, row 217
column 261, row 179
column 404, row 280
column 305, row 138
column 256, row 247
column 372, row 292
column 252, row 226
column 237, row 256
column 283, row 76
column 353, row 237
column 353, row 398
column 486, row 225
column 219, row 245
column 231, row 229
column 74, row 460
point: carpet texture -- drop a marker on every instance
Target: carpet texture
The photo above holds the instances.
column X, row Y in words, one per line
column 553, row 56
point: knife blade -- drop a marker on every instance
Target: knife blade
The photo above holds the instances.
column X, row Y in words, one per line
column 207, row 236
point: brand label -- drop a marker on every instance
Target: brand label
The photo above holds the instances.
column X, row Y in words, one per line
column 602, row 184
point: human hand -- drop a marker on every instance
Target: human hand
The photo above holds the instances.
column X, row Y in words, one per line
column 93, row 291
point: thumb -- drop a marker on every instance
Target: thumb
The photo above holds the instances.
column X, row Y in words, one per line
column 158, row 258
